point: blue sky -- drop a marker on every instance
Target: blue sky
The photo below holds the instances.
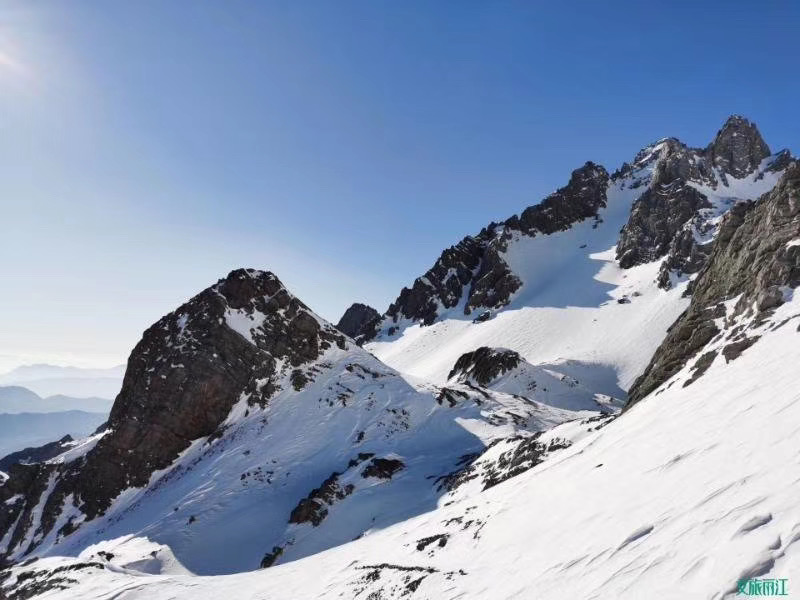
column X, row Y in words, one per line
column 146, row 148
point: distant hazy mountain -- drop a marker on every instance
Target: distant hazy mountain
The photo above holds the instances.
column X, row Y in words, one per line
column 18, row 399
column 24, row 430
column 51, row 380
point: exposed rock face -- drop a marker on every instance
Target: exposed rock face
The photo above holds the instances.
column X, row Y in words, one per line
column 738, row 148
column 314, row 508
column 753, row 258
column 444, row 283
column 35, row 454
column 580, row 199
column 357, row 319
column 663, row 209
column 233, row 340
column 484, row 365
column 672, row 218
column 474, row 270
column 161, row 409
column 508, row 457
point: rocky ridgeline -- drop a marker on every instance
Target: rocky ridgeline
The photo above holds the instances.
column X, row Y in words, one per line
column 474, row 270
column 484, row 365
column 241, row 338
column 671, row 218
column 755, row 257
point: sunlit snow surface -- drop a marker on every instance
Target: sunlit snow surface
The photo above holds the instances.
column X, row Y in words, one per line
column 226, row 502
column 691, row 490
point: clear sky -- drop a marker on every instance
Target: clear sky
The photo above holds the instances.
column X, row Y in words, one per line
column 147, row 148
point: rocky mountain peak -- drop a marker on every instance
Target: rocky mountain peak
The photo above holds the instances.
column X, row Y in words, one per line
column 738, row 147
column 244, row 338
column 677, row 216
column 242, row 286
column 357, row 319
column 238, row 338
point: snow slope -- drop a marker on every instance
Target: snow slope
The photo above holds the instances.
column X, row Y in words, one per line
column 567, row 307
column 690, row 491
column 208, row 504
column 575, row 303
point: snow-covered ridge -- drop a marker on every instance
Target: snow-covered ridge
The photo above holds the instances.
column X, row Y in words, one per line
column 594, row 295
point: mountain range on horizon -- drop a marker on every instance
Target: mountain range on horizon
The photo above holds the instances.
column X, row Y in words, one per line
column 573, row 389
column 57, row 380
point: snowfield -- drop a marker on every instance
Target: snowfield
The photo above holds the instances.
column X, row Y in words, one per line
column 567, row 308
column 207, row 505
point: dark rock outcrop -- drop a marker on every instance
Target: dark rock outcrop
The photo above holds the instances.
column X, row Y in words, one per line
column 270, row 557
column 443, row 283
column 314, row 508
column 181, row 382
column 517, row 455
column 580, row 199
column 382, row 468
column 484, row 365
column 665, row 207
column 358, row 320
column 752, row 258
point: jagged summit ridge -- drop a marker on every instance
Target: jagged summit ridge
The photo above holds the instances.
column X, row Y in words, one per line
column 678, row 215
column 682, row 192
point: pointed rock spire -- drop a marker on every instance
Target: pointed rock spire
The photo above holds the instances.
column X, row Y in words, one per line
column 738, row 147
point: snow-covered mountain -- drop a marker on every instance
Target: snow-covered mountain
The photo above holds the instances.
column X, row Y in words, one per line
column 472, row 445
column 244, row 410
